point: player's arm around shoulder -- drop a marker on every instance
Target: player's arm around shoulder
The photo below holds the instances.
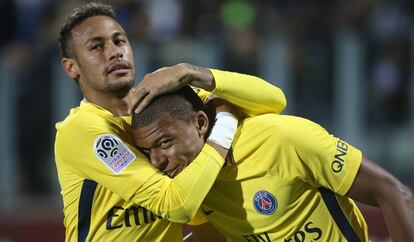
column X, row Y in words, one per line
column 375, row 186
column 253, row 94
column 94, row 148
column 250, row 93
column 101, row 154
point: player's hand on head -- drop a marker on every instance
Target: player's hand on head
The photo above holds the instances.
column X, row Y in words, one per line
column 161, row 81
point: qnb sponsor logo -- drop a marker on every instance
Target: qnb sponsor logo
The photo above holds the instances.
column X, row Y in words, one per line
column 341, row 151
column 119, row 217
column 309, row 232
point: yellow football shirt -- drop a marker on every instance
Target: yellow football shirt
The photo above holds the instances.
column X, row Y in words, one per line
column 110, row 190
column 288, row 184
column 251, row 93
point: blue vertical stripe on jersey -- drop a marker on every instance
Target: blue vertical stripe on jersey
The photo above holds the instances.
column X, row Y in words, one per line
column 338, row 215
column 85, row 209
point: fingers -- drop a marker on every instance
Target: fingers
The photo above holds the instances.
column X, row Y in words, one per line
column 136, row 97
column 143, row 103
column 146, row 92
column 161, row 81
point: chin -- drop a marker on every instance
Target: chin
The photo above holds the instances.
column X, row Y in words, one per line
column 121, row 87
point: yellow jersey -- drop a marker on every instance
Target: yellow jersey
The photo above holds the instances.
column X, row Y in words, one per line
column 112, row 193
column 288, row 184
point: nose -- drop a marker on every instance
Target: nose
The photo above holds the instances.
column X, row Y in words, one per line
column 158, row 159
column 114, row 51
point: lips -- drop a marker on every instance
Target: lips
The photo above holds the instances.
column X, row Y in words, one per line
column 119, row 67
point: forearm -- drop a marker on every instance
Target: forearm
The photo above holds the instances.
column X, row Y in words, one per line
column 200, row 77
column 178, row 199
column 251, row 93
column 377, row 187
column 254, row 95
column 398, row 211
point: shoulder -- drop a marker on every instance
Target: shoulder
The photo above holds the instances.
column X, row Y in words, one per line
column 284, row 124
column 86, row 135
column 85, row 117
column 83, row 126
column 286, row 129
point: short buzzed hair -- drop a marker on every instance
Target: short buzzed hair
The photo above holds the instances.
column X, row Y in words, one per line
column 181, row 104
column 77, row 16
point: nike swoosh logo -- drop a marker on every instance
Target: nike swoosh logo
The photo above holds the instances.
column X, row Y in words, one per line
column 207, row 212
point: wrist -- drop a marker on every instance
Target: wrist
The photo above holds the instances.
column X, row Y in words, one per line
column 200, row 77
column 223, row 130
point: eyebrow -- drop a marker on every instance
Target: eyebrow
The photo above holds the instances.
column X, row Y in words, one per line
column 155, row 143
column 117, row 34
column 99, row 38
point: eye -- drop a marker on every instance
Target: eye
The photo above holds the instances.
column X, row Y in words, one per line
column 120, row 41
column 166, row 143
column 145, row 151
column 96, row 47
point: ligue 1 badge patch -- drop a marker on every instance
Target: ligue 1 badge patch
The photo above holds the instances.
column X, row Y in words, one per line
column 113, row 152
column 264, row 202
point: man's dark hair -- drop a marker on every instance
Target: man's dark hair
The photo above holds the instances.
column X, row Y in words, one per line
column 77, row 16
column 181, row 104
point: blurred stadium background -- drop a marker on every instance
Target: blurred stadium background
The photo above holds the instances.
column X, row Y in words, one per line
column 346, row 64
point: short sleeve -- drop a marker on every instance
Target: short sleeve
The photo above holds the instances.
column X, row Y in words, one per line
column 317, row 157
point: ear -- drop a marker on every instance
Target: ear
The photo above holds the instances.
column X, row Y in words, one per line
column 201, row 122
column 71, row 67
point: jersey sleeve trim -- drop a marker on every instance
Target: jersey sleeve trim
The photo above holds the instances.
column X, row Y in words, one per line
column 85, row 209
column 338, row 215
column 354, row 162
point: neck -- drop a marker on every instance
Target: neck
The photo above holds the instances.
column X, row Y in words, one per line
column 116, row 104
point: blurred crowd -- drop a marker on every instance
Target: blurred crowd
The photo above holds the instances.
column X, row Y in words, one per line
column 229, row 34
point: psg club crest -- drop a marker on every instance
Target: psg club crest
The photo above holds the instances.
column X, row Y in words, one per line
column 264, row 202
